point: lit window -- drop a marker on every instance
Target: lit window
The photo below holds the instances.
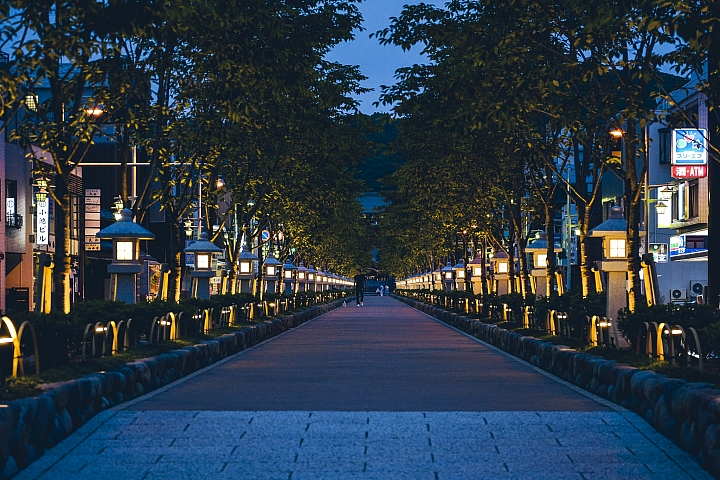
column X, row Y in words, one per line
column 502, row 267
column 311, row 277
column 461, row 274
column 541, row 260
column 244, row 267
column 477, row 271
column 301, row 275
column 31, row 102
column 202, row 260
column 617, row 248
column 288, row 274
column 448, row 275
column 271, row 271
column 124, row 251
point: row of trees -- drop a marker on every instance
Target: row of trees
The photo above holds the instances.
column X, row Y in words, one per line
column 514, row 94
column 232, row 90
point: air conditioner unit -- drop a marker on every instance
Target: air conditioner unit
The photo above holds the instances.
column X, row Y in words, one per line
column 678, row 295
column 697, row 287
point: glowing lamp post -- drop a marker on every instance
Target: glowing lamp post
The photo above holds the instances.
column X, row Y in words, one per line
column 289, row 276
column 272, row 273
column 126, row 264
column 501, row 268
column 246, row 272
column 203, row 250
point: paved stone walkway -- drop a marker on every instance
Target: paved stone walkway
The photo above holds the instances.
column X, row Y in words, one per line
column 376, row 392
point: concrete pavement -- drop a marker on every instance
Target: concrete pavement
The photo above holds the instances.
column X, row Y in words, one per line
column 380, row 391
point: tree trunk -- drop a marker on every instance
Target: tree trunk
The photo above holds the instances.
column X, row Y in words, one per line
column 550, row 249
column 633, row 217
column 175, row 258
column 524, row 276
column 62, row 260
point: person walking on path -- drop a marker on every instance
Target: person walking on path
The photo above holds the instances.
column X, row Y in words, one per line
column 359, row 287
column 387, row 290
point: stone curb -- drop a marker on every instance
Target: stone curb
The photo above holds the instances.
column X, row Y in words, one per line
column 686, row 413
column 32, row 425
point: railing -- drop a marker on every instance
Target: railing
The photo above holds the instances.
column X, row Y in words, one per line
column 15, row 338
column 671, row 343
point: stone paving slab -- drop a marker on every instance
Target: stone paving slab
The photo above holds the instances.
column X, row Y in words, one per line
column 377, row 392
column 384, row 356
column 366, row 445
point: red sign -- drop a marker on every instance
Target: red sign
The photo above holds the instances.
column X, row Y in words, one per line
column 690, row 171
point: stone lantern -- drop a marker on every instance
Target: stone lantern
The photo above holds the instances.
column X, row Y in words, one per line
column 289, row 276
column 538, row 249
column 126, row 264
column 476, row 273
column 501, row 270
column 460, row 275
column 320, row 279
column 312, row 279
column 437, row 279
column 614, row 263
column 448, row 276
column 302, row 278
column 203, row 250
column 272, row 273
column 246, row 272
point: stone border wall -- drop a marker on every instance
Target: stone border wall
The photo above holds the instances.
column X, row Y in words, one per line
column 687, row 413
column 30, row 426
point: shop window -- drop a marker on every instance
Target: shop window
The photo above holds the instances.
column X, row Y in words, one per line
column 665, row 146
column 12, row 218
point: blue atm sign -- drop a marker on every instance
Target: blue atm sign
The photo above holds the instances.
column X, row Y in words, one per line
column 689, row 146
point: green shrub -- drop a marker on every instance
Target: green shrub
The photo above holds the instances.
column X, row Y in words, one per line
column 702, row 318
column 576, row 307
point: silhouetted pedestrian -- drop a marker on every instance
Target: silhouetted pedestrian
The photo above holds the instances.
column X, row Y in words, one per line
column 359, row 287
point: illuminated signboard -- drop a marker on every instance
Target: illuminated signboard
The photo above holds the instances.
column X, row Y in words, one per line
column 687, row 244
column 689, row 146
column 689, row 171
column 659, row 252
column 42, row 229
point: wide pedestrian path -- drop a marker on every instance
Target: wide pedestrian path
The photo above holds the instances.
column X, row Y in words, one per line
column 380, row 391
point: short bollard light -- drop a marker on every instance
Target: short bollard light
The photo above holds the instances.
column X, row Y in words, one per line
column 203, row 250
column 126, row 264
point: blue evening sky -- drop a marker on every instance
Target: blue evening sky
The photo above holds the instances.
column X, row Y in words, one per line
column 377, row 62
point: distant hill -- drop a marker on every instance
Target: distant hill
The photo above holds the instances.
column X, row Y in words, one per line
column 383, row 162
